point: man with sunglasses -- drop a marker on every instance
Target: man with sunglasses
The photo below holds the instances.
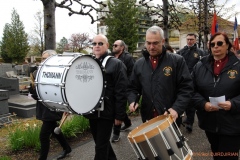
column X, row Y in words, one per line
column 162, row 79
column 192, row 54
column 119, row 51
column 101, row 122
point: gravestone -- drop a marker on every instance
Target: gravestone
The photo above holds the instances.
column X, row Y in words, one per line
column 22, row 105
column 10, row 84
column 4, row 110
column 4, row 102
column 5, row 67
column 26, row 70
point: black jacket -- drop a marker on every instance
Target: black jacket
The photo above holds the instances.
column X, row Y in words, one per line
column 168, row 86
column 228, row 84
column 191, row 55
column 115, row 93
column 128, row 60
column 42, row 112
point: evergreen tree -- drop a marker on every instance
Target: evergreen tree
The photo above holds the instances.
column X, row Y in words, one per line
column 122, row 23
column 4, row 44
column 62, row 45
column 14, row 45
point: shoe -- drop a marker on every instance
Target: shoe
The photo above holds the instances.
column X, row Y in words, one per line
column 64, row 153
column 189, row 128
column 115, row 138
column 125, row 127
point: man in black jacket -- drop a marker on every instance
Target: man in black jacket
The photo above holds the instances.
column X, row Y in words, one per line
column 49, row 119
column 162, row 79
column 192, row 54
column 101, row 122
column 119, row 51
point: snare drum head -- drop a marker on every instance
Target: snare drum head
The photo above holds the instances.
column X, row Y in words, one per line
column 84, row 85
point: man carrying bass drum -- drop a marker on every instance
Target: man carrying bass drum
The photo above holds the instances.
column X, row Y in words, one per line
column 101, row 122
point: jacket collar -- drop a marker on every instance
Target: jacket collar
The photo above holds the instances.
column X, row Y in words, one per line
column 208, row 60
column 146, row 54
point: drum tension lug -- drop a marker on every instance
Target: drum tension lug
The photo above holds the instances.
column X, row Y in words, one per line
column 170, row 152
column 157, row 158
column 180, row 144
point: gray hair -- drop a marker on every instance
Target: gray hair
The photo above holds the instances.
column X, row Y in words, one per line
column 49, row 52
column 124, row 45
column 155, row 30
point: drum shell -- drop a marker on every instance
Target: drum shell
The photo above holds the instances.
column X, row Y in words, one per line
column 149, row 132
column 59, row 87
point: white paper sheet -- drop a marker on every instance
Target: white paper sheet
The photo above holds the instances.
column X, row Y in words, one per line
column 215, row 100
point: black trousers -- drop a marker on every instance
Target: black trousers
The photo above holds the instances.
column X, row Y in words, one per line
column 190, row 113
column 47, row 130
column 224, row 147
column 117, row 128
column 101, row 130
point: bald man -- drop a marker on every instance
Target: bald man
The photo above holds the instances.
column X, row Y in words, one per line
column 101, row 122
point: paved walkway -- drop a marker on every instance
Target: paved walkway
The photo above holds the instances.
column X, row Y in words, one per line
column 196, row 140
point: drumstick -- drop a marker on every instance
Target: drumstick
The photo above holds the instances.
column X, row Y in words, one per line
column 135, row 102
column 57, row 130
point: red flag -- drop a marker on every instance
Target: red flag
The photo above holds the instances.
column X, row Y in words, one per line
column 214, row 24
column 236, row 43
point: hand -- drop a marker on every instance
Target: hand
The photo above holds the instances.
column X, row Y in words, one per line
column 173, row 113
column 133, row 108
column 225, row 105
column 209, row 107
column 66, row 114
column 117, row 122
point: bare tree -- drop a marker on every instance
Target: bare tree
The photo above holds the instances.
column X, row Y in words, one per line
column 79, row 41
column 36, row 37
column 168, row 17
column 49, row 16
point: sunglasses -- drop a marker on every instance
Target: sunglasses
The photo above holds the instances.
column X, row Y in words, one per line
column 219, row 43
column 99, row 43
column 115, row 45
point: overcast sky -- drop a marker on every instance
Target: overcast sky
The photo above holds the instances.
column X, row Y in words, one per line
column 65, row 25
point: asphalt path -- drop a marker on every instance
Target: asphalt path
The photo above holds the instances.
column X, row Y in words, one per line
column 196, row 141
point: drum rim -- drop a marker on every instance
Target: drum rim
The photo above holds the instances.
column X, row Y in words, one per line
column 140, row 138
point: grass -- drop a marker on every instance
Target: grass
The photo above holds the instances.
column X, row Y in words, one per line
column 5, row 158
column 74, row 126
column 24, row 133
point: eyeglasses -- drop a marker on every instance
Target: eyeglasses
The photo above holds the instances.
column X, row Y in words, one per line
column 99, row 43
column 190, row 39
column 219, row 43
column 115, row 45
column 152, row 43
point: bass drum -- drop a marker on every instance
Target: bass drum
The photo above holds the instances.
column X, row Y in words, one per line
column 71, row 83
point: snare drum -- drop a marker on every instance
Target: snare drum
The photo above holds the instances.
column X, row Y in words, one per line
column 159, row 138
column 71, row 83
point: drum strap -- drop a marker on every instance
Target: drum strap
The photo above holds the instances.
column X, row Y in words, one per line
column 104, row 62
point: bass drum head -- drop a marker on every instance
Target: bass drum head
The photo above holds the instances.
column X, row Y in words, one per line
column 84, row 85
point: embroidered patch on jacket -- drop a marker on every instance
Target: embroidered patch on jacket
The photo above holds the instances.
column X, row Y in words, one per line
column 232, row 74
column 167, row 71
column 195, row 55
